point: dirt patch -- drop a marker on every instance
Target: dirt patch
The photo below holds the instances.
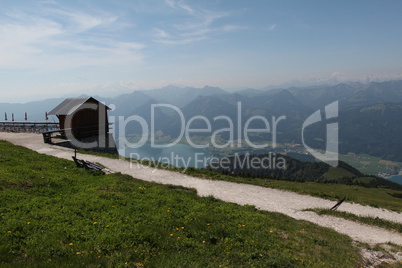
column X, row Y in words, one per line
column 383, row 254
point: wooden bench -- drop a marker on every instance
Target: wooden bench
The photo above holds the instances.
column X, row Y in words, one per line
column 47, row 135
column 87, row 164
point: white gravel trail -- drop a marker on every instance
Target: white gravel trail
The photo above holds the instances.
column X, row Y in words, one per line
column 288, row 203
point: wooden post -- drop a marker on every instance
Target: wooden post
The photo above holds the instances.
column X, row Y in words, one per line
column 338, row 204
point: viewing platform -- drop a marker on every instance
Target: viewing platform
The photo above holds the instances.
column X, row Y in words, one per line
column 34, row 127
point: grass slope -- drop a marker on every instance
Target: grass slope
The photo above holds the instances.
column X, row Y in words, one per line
column 53, row 214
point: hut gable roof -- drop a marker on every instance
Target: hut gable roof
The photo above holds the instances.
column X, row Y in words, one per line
column 70, row 105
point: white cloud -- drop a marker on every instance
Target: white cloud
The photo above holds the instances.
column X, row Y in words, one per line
column 21, row 40
column 58, row 39
column 179, row 41
column 272, row 27
column 198, row 24
column 77, row 21
column 231, row 28
column 180, row 5
column 202, row 19
column 159, row 33
column 46, row 2
column 203, row 32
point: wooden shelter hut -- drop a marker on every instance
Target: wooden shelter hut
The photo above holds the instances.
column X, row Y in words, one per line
column 84, row 117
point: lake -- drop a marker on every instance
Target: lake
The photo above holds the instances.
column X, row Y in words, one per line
column 179, row 155
column 396, row 178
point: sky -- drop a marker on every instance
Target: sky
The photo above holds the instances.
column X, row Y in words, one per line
column 56, row 48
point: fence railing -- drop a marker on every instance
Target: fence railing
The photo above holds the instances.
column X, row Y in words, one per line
column 36, row 127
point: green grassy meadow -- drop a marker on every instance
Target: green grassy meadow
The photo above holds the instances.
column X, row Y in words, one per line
column 369, row 164
column 53, row 214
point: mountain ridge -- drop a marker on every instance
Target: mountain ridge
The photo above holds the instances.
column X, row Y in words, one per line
column 365, row 127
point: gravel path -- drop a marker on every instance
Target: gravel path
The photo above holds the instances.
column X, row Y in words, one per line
column 288, row 203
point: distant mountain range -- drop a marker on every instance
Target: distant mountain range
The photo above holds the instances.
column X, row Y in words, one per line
column 35, row 110
column 370, row 115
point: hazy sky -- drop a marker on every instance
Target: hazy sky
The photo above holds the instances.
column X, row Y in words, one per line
column 55, row 48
